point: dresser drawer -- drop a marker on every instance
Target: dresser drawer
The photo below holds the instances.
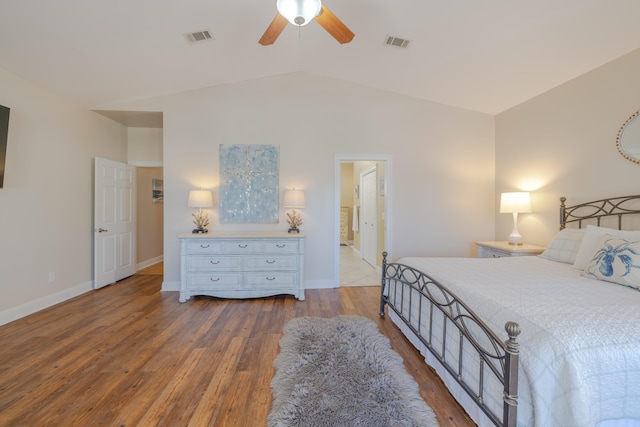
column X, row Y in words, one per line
column 214, row 263
column 276, row 278
column 268, row 262
column 213, row 281
column 281, row 246
column 201, row 246
column 242, row 246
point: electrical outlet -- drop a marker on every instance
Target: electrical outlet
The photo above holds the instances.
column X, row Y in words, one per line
column 52, row 276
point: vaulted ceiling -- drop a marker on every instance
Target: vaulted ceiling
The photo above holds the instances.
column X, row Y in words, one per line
column 483, row 55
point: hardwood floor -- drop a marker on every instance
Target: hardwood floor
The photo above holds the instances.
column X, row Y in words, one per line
column 130, row 355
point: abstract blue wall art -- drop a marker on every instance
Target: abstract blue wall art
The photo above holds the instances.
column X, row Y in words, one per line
column 249, row 184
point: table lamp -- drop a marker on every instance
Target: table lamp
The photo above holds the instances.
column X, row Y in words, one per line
column 200, row 199
column 514, row 203
column 294, row 199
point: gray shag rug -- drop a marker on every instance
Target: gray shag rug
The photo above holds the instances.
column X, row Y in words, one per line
column 342, row 371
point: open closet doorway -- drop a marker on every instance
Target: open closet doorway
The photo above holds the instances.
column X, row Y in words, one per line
column 363, row 213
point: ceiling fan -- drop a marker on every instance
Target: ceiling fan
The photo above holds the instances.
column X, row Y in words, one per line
column 301, row 12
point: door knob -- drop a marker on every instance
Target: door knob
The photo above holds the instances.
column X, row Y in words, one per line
column 102, row 230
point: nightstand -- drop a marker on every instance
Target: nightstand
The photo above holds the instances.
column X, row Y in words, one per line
column 504, row 249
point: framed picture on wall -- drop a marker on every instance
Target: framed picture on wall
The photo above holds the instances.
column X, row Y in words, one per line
column 249, row 183
column 157, row 190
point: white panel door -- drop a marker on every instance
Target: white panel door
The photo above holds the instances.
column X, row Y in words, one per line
column 369, row 216
column 114, row 222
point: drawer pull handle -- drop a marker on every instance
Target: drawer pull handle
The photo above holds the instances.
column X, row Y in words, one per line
column 242, row 246
column 271, row 278
column 271, row 261
column 204, row 246
column 215, row 262
column 217, row 279
column 281, row 246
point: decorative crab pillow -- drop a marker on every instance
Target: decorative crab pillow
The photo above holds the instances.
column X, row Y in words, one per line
column 591, row 241
column 616, row 260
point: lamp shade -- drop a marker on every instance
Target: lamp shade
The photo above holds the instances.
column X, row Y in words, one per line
column 518, row 202
column 299, row 12
column 294, row 199
column 200, row 199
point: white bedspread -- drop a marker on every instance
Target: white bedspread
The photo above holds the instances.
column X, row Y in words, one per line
column 580, row 341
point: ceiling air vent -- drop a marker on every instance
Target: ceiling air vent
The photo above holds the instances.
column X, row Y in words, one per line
column 198, row 36
column 397, row 42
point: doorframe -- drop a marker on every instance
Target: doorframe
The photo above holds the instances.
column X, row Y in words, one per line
column 342, row 158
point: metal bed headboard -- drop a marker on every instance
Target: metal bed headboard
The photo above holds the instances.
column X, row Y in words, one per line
column 598, row 209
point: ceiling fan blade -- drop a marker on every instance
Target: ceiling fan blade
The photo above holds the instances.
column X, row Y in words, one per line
column 334, row 26
column 274, row 30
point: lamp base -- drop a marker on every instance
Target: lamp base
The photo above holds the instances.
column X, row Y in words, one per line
column 293, row 230
column 199, row 230
column 515, row 238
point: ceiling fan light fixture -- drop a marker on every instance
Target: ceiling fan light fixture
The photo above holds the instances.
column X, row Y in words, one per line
column 299, row 12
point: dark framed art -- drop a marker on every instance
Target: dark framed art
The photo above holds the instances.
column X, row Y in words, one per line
column 4, row 134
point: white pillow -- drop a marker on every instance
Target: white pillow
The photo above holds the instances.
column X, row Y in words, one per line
column 564, row 246
column 591, row 242
column 616, row 260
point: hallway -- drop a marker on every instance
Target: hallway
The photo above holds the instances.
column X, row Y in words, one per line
column 354, row 271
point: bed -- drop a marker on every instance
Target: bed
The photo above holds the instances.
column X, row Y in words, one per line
column 548, row 340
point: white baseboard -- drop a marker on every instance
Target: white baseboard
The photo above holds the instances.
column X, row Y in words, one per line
column 31, row 307
column 149, row 262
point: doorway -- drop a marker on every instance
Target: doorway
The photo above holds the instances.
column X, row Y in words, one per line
column 145, row 135
column 363, row 213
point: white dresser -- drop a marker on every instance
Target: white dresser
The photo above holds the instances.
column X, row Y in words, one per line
column 241, row 264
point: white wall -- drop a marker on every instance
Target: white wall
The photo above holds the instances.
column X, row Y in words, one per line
column 144, row 146
column 46, row 205
column 562, row 143
column 443, row 160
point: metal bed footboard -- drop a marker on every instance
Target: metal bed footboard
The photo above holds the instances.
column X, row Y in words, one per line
column 498, row 358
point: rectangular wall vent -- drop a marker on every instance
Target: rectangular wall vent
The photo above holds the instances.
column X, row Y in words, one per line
column 198, row 36
column 397, row 42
